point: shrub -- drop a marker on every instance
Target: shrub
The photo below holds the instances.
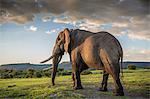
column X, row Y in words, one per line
column 10, row 75
column 64, row 72
column 86, row 72
column 4, row 76
column 131, row 67
column 147, row 67
column 38, row 74
column 30, row 73
column 47, row 73
column 60, row 69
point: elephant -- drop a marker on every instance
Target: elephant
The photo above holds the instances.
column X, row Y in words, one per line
column 86, row 49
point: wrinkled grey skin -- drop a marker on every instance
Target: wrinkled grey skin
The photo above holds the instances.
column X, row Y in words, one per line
column 58, row 51
column 89, row 50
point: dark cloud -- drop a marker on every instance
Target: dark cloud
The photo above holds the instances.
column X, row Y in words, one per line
column 123, row 14
column 79, row 8
column 104, row 7
column 26, row 9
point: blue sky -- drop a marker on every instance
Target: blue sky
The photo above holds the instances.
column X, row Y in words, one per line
column 31, row 42
column 30, row 38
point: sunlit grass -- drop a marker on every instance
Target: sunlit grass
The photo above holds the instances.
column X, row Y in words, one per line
column 136, row 84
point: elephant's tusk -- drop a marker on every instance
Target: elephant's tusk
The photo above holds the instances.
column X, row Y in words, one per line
column 52, row 57
column 48, row 58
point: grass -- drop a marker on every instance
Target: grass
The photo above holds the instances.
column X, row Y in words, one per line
column 136, row 85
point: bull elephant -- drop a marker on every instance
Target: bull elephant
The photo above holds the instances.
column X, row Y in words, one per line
column 89, row 50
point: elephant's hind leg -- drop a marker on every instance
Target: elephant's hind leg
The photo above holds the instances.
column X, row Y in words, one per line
column 118, row 85
column 104, row 82
column 113, row 69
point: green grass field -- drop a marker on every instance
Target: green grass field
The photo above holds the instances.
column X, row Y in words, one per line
column 136, row 86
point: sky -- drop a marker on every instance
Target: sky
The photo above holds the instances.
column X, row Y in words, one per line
column 28, row 28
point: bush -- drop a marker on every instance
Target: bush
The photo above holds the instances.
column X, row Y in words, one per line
column 60, row 69
column 6, row 74
column 86, row 72
column 30, row 73
column 147, row 67
column 65, row 72
column 47, row 73
column 131, row 67
column 38, row 74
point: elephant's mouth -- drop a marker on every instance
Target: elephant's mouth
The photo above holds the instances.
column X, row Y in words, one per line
column 61, row 53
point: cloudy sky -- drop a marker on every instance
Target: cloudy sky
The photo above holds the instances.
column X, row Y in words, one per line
column 28, row 28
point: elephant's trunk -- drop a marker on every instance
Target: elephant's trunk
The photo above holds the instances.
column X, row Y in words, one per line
column 54, row 73
column 55, row 63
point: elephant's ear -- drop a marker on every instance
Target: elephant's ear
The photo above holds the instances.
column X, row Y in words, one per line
column 67, row 39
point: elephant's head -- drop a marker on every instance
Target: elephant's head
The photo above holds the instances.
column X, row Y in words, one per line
column 61, row 46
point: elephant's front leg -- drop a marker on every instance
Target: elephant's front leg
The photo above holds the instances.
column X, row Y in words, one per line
column 77, row 81
column 75, row 60
column 76, row 78
column 73, row 78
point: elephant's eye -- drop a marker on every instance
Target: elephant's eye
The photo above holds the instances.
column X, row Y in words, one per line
column 58, row 39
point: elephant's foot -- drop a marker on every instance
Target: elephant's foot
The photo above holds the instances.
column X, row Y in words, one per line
column 78, row 87
column 103, row 89
column 119, row 93
column 53, row 84
column 73, row 85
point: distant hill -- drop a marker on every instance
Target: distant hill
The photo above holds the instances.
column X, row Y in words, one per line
column 138, row 64
column 65, row 65
column 24, row 66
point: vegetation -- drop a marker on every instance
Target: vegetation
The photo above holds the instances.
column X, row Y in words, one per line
column 31, row 73
column 136, row 85
column 147, row 67
column 131, row 67
column 86, row 72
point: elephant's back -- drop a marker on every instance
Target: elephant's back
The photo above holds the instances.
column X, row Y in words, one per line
column 90, row 48
column 110, row 44
column 106, row 39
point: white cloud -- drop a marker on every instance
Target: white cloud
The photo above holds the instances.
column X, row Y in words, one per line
column 140, row 35
column 134, row 28
column 134, row 54
column 85, row 24
column 88, row 25
column 115, row 24
column 59, row 20
column 48, row 32
column 52, row 31
column 46, row 18
column 129, row 26
column 32, row 28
